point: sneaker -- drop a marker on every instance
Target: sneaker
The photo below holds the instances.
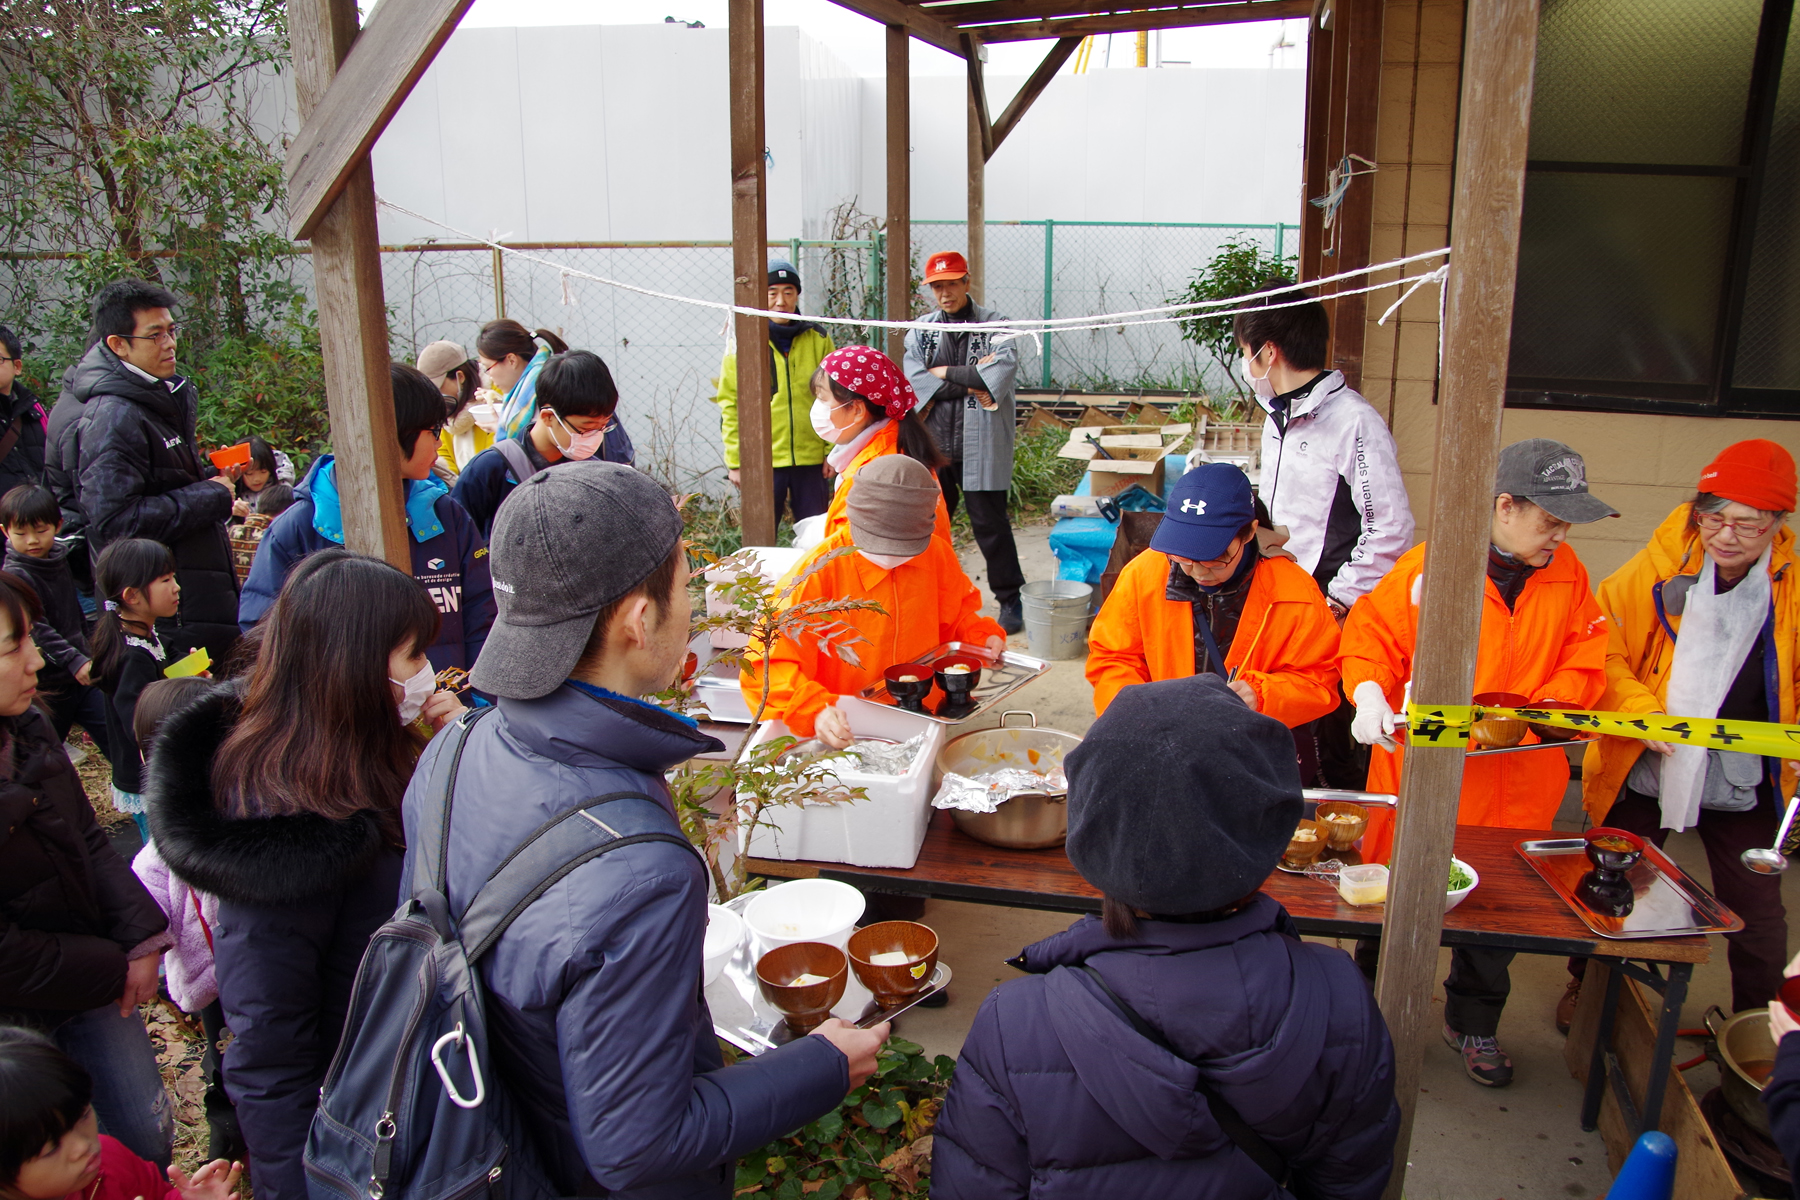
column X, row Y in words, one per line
column 1483, row 1060
column 1012, row 617
column 1565, row 1008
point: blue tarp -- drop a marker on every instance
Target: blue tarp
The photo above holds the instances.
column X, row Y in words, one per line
column 1083, row 544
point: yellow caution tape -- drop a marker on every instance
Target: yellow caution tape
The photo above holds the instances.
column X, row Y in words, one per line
column 1447, row 725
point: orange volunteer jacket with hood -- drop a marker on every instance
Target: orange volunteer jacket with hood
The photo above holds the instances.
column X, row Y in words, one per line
column 885, row 441
column 1639, row 651
column 1550, row 646
column 925, row 602
column 1285, row 648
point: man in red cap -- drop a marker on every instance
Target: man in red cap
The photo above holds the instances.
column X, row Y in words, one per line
column 1702, row 622
column 965, row 382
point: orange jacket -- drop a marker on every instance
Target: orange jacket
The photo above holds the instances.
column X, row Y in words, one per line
column 938, row 602
column 1551, row 646
column 1639, row 651
column 885, row 441
column 1285, row 649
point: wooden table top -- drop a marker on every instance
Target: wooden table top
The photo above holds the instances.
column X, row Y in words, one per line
column 1512, row 908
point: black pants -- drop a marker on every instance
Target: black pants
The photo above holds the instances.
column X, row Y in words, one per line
column 1475, row 991
column 802, row 489
column 993, row 533
column 1758, row 953
column 71, row 704
column 223, row 1137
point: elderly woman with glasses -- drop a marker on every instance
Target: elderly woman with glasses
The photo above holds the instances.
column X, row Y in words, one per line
column 1702, row 623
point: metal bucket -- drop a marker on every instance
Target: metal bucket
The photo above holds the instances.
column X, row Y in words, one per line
column 1746, row 1053
column 1056, row 617
column 1034, row 821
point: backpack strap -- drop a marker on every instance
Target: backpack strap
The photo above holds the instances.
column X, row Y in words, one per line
column 516, row 458
column 561, row 844
column 1223, row 1111
column 431, row 835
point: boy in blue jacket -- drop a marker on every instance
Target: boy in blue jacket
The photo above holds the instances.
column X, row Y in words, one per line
column 449, row 557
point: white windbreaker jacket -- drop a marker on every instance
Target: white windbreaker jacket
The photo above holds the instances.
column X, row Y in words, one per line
column 1334, row 481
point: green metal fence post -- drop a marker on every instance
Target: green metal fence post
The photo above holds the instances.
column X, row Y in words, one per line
column 1280, row 235
column 1049, row 284
column 878, row 273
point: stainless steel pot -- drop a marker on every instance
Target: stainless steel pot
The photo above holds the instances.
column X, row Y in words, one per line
column 1034, row 821
column 1744, row 1041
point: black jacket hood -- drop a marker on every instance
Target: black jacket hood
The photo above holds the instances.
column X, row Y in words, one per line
column 250, row 860
column 101, row 373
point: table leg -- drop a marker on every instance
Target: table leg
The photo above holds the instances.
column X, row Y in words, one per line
column 1597, row 1073
column 1674, row 994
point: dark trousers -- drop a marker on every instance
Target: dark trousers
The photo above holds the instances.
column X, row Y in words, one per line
column 993, row 533
column 1343, row 763
column 223, row 1137
column 801, row 489
column 1757, row 954
column 70, row 704
column 1475, row 991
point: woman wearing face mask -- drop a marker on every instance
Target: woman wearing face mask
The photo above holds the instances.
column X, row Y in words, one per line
column 577, row 403
column 895, row 560
column 280, row 793
column 863, row 406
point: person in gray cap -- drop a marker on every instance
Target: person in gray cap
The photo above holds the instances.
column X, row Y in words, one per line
column 595, row 999
column 796, row 348
column 1543, row 639
column 1186, row 1042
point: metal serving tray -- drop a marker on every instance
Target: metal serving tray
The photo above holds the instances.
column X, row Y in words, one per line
column 1666, row 903
column 1001, row 675
column 742, row 1017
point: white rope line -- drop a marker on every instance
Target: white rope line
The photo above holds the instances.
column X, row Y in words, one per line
column 1006, row 330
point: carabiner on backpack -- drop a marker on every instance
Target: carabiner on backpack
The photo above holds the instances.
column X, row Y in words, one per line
column 457, row 1037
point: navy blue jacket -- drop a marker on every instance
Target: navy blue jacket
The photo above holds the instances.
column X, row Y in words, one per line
column 486, row 479
column 1781, row 1096
column 1055, row 1096
column 448, row 556
column 594, row 992
column 299, row 898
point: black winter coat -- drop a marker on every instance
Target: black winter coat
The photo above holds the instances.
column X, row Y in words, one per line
column 1057, row 1098
column 299, row 898
column 24, row 463
column 71, row 911
column 62, row 453
column 140, row 474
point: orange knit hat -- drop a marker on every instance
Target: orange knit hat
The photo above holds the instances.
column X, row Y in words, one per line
column 1758, row 472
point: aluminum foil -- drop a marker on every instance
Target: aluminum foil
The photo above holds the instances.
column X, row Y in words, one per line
column 987, row 791
column 879, row 756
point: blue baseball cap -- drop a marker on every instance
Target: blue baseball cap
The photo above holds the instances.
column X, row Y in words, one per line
column 1208, row 507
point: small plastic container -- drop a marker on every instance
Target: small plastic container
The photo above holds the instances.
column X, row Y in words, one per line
column 1364, row 884
column 724, row 934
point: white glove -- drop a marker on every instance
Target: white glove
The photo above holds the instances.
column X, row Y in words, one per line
column 1374, row 723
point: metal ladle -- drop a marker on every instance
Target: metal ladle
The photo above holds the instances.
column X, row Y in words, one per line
column 1772, row 861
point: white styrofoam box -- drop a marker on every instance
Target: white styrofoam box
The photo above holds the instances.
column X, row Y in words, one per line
column 772, row 563
column 884, row 830
column 809, row 532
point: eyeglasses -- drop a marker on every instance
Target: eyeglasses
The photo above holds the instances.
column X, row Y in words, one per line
column 162, row 337
column 1713, row 523
column 1211, row 564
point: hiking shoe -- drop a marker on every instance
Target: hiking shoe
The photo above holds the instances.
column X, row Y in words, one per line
column 1565, row 1008
column 1483, row 1060
column 1012, row 617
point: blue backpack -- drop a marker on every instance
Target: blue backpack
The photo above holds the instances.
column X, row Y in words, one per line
column 412, row 1107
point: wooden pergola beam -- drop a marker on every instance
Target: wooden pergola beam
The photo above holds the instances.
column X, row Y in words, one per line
column 1499, row 48
column 376, row 76
column 899, row 185
column 974, row 14
column 918, row 21
column 980, row 149
column 1132, row 22
column 750, row 270
column 1033, row 88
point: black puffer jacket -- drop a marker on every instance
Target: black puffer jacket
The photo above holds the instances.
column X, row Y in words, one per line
column 71, row 911
column 62, row 453
column 141, row 475
column 299, row 897
column 24, row 463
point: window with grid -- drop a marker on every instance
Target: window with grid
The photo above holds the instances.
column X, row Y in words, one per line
column 1659, row 259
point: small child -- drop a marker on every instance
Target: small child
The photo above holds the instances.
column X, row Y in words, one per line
column 267, row 467
column 270, row 503
column 53, row 1148
column 192, row 914
column 135, row 580
column 31, row 519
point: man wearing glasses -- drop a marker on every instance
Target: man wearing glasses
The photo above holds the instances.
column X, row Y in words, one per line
column 139, row 472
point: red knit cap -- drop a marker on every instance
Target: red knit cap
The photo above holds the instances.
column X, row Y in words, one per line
column 1758, row 472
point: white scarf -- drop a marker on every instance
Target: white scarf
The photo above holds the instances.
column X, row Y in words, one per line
column 1717, row 634
column 842, row 456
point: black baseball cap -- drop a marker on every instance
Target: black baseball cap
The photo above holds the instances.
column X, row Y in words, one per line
column 1551, row 476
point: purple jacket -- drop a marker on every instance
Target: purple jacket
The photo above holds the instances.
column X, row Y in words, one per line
column 1055, row 1096
column 188, row 967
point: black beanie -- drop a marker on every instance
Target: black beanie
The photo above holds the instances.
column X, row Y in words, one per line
column 1181, row 799
column 782, row 271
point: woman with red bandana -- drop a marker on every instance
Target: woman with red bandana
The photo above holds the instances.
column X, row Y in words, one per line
column 864, row 407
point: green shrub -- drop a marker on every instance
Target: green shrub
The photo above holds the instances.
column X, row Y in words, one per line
column 269, row 384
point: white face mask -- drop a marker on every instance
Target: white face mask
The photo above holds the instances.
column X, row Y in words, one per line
column 1261, row 386
column 888, row 562
column 821, row 422
column 418, row 689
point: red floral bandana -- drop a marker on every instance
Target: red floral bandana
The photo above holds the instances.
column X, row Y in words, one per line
column 872, row 375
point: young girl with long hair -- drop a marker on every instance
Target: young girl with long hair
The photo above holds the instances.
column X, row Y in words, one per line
column 511, row 359
column 863, row 406
column 135, row 580
column 280, row 794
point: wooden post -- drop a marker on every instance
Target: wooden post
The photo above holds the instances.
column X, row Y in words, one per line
column 1500, row 44
column 899, row 185
column 978, row 143
column 353, row 331
column 750, row 267
column 1360, row 24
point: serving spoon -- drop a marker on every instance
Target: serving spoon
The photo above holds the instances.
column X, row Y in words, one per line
column 1772, row 861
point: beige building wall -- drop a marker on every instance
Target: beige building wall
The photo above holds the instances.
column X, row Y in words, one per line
column 1642, row 465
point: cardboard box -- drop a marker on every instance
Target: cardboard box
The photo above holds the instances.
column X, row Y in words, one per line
column 1082, row 439
column 1128, row 466
column 772, row 563
column 886, row 829
column 1042, row 418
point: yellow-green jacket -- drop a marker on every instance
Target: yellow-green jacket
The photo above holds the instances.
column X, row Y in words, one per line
column 791, row 435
